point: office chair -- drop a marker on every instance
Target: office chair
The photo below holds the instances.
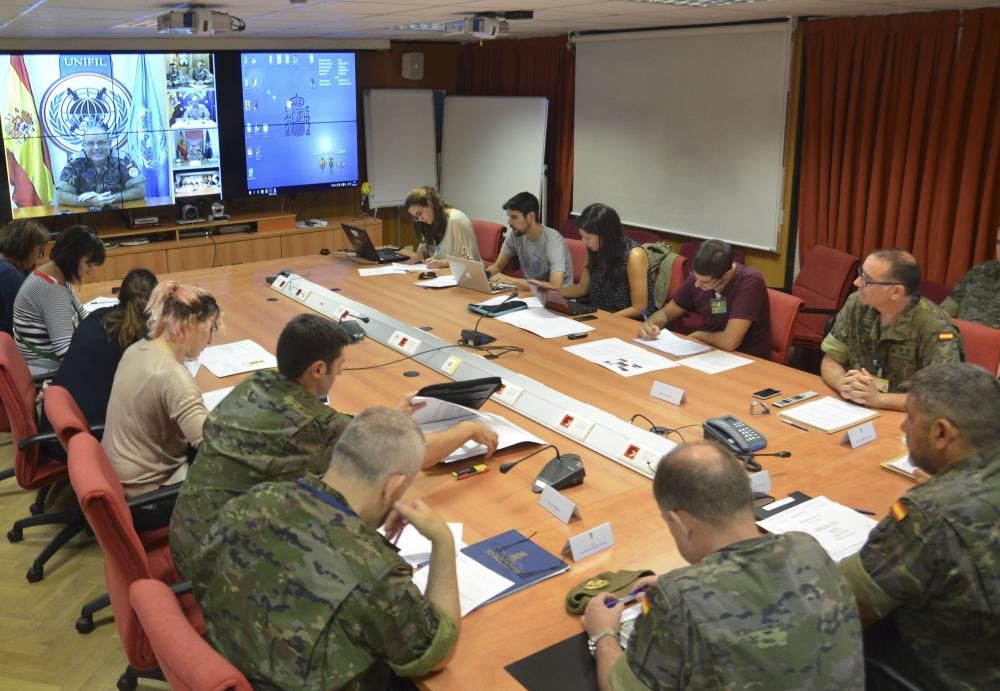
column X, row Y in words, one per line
column 489, row 238
column 578, row 253
column 784, row 310
column 823, row 284
column 981, row 344
column 934, row 291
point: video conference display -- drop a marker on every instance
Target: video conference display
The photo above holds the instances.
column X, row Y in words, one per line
column 300, row 127
column 86, row 131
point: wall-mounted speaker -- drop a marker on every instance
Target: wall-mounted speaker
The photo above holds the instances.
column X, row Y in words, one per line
column 413, row 65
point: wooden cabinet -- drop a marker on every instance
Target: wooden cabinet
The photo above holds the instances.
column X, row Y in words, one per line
column 224, row 253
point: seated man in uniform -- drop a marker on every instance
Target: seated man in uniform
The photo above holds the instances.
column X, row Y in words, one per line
column 201, row 73
column 932, row 566
column 175, row 77
column 976, row 298
column 885, row 333
column 197, row 111
column 304, row 593
column 730, row 297
column 541, row 251
column 752, row 611
column 96, row 176
column 275, row 426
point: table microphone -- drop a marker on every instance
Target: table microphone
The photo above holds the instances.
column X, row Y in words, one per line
column 475, row 337
column 779, row 454
column 565, row 470
column 355, row 332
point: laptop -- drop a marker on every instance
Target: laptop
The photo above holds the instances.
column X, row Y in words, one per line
column 553, row 300
column 364, row 248
column 471, row 274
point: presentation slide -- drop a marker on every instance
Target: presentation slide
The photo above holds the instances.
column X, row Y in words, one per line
column 299, row 121
column 87, row 131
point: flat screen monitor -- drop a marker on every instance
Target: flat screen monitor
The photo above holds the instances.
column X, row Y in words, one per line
column 300, row 121
column 88, row 131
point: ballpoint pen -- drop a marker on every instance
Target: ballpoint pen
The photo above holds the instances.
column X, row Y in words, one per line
column 794, row 424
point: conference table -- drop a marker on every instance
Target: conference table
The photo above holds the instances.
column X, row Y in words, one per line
column 491, row 503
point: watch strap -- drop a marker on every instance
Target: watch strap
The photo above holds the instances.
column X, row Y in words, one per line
column 596, row 638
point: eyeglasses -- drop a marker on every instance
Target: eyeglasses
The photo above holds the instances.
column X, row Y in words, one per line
column 502, row 555
column 213, row 329
column 867, row 281
column 759, row 408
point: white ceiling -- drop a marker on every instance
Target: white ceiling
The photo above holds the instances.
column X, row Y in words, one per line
column 371, row 19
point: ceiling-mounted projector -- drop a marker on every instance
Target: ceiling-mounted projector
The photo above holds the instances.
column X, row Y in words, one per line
column 198, row 21
column 477, row 27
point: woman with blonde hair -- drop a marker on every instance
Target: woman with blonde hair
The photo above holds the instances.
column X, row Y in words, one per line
column 443, row 230
column 156, row 412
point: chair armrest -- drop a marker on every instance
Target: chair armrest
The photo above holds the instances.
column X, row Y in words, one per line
column 182, row 588
column 36, row 438
column 153, row 497
column 818, row 310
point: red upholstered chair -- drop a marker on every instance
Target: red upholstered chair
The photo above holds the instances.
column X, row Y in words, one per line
column 127, row 556
column 34, row 470
column 489, row 238
column 823, row 284
column 981, row 344
column 186, row 659
column 934, row 291
column 677, row 275
column 784, row 310
column 642, row 236
column 568, row 228
column 578, row 253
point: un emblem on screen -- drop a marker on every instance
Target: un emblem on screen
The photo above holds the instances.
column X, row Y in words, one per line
column 83, row 100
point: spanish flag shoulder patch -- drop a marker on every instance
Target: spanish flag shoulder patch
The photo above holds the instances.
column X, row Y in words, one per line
column 898, row 511
column 644, row 602
column 945, row 336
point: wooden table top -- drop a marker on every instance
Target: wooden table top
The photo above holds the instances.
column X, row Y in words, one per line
column 526, row 622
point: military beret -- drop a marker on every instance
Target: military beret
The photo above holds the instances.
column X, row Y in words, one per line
column 618, row 583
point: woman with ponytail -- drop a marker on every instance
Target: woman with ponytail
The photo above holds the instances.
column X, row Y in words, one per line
column 156, row 412
column 89, row 366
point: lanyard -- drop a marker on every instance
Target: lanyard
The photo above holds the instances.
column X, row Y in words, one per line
column 328, row 499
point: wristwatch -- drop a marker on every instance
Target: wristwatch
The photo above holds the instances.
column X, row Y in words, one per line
column 596, row 638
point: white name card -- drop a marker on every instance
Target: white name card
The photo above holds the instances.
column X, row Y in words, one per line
column 590, row 542
column 666, row 392
column 556, row 504
column 860, row 435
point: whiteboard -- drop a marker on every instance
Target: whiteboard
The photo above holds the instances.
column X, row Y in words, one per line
column 492, row 148
column 399, row 143
column 683, row 130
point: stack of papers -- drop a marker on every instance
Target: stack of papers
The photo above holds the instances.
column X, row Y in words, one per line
column 477, row 584
column 672, row 345
column 620, row 357
column 381, row 270
column 715, row 362
column 235, row 358
column 901, row 466
column 541, row 322
column 416, row 549
column 438, row 415
column 99, row 303
column 439, row 282
column 840, row 530
column 409, row 268
column 829, row 414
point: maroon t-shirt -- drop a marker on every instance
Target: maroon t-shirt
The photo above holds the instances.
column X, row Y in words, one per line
column 746, row 298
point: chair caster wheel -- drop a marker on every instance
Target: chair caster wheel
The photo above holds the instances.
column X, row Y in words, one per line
column 84, row 624
column 35, row 574
column 36, row 509
column 127, row 683
column 15, row 535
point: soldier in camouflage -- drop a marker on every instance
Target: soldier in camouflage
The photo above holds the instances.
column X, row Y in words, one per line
column 766, row 612
column 885, row 333
column 274, row 426
column 932, row 566
column 976, row 298
column 96, row 176
column 305, row 594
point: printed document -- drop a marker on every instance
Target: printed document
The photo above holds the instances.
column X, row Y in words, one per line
column 829, row 414
column 544, row 323
column 839, row 529
column 715, row 362
column 381, row 271
column 440, row 415
column 675, row 346
column 214, row 398
column 477, row 584
column 235, row 358
column 620, row 357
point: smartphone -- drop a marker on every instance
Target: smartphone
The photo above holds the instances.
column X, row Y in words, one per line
column 585, row 318
column 765, row 393
column 574, row 337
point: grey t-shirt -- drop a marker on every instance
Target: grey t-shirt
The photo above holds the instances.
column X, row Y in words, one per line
column 540, row 257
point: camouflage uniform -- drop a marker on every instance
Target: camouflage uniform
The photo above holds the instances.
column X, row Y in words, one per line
column 304, row 595
column 921, row 336
column 976, row 298
column 80, row 175
column 268, row 429
column 933, row 565
column 767, row 613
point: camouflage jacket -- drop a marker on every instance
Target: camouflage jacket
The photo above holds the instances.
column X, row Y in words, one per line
column 976, row 298
column 767, row 613
column 304, row 595
column 80, row 175
column 268, row 429
column 933, row 565
column 921, row 336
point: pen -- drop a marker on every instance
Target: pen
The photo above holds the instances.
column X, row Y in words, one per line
column 627, row 600
column 645, row 317
column 794, row 424
column 867, row 513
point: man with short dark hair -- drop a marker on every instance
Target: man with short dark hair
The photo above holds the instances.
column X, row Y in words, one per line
column 752, row 611
column 731, row 298
column 885, row 333
column 976, row 298
column 304, row 593
column 275, row 426
column 541, row 251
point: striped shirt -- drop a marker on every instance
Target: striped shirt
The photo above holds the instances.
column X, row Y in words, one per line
column 46, row 313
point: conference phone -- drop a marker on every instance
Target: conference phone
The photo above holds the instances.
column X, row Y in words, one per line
column 734, row 434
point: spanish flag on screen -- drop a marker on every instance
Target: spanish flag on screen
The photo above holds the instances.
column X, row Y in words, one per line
column 28, row 164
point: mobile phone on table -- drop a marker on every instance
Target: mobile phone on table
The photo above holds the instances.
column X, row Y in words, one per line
column 765, row 393
column 585, row 318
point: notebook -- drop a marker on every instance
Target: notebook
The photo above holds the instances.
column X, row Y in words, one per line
column 829, row 414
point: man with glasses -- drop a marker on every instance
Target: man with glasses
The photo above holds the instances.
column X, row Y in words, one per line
column 730, row 297
column 976, row 298
column 97, row 176
column 885, row 333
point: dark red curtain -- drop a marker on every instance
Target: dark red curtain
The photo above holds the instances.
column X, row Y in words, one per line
column 901, row 136
column 531, row 67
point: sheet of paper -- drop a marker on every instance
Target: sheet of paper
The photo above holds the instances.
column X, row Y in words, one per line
column 213, row 398
column 530, row 302
column 416, row 549
column 193, row 366
column 839, row 529
column 508, row 434
column 620, row 357
column 234, row 358
column 828, row 414
column 902, row 465
column 410, row 268
column 99, row 303
column 438, row 415
column 476, row 583
column 439, row 282
column 381, row 271
column 544, row 323
column 667, row 342
column 715, row 362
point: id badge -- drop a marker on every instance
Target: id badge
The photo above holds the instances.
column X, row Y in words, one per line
column 719, row 306
column 881, row 385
